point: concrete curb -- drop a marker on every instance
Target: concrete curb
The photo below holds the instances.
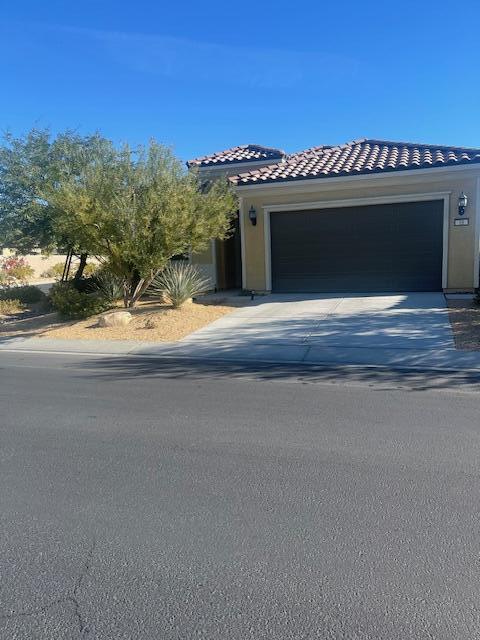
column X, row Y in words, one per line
column 173, row 351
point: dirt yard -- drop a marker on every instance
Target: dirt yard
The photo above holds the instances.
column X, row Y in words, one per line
column 152, row 322
column 465, row 320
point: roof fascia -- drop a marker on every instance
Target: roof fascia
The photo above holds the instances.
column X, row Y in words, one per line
column 233, row 165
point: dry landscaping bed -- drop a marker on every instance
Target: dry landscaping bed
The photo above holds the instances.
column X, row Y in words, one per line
column 152, row 322
column 465, row 321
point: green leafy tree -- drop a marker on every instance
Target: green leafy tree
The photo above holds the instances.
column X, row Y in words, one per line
column 137, row 210
column 29, row 165
column 25, row 221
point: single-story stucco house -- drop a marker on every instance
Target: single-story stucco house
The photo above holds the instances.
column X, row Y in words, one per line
column 365, row 216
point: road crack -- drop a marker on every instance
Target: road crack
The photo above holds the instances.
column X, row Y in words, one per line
column 74, row 597
column 35, row 612
column 69, row 598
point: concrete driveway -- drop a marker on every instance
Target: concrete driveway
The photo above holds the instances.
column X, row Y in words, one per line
column 394, row 331
column 410, row 329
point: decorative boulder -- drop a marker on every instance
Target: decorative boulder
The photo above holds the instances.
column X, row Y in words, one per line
column 115, row 319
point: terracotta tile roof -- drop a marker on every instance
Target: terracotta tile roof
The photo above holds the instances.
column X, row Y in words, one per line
column 243, row 153
column 356, row 158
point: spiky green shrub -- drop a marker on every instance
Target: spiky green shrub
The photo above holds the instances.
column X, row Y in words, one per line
column 76, row 305
column 179, row 282
column 108, row 285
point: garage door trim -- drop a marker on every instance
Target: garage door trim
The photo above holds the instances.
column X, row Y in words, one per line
column 331, row 204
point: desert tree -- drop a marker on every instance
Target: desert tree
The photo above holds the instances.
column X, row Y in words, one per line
column 136, row 209
column 31, row 166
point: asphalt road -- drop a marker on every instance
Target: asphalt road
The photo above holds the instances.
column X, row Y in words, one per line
column 148, row 500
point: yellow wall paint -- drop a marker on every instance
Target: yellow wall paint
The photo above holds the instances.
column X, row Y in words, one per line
column 462, row 243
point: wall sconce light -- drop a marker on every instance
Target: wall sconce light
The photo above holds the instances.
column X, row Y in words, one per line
column 462, row 204
column 252, row 214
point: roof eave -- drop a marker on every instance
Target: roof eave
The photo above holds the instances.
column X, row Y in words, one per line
column 230, row 163
column 203, row 161
column 383, row 173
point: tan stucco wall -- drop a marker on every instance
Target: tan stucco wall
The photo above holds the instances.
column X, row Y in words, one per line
column 462, row 241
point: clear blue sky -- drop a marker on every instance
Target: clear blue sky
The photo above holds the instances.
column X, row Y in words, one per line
column 203, row 76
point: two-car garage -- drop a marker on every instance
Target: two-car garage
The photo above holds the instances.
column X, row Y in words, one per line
column 364, row 216
column 374, row 247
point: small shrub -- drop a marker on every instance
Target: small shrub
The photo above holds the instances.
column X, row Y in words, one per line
column 76, row 305
column 8, row 307
column 179, row 282
column 29, row 294
column 55, row 271
column 150, row 323
column 4, row 279
column 84, row 285
column 90, row 269
column 15, row 271
column 108, row 285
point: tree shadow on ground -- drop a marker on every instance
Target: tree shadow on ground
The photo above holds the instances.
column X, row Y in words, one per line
column 130, row 367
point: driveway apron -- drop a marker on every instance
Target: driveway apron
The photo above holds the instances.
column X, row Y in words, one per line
column 410, row 329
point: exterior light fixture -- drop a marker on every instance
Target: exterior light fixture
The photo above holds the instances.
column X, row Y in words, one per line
column 252, row 214
column 462, row 204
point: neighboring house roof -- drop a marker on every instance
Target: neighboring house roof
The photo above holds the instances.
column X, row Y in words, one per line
column 358, row 157
column 243, row 153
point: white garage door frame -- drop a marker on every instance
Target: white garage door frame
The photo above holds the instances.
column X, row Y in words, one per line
column 355, row 202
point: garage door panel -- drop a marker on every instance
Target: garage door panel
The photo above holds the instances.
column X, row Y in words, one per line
column 395, row 247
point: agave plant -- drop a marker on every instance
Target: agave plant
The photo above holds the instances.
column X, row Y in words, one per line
column 108, row 285
column 179, row 282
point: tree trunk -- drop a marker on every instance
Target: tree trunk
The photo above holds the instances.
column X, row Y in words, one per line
column 126, row 293
column 134, row 291
column 139, row 290
column 66, row 266
column 81, row 267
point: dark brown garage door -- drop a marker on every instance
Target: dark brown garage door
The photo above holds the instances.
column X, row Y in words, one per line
column 387, row 247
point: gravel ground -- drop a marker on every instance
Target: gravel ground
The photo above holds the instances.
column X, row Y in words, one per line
column 151, row 322
column 465, row 321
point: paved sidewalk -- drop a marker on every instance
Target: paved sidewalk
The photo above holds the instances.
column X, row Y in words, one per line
column 403, row 331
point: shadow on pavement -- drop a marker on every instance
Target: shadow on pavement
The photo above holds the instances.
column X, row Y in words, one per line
column 130, row 367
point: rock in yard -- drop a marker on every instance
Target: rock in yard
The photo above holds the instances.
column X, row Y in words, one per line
column 115, row 319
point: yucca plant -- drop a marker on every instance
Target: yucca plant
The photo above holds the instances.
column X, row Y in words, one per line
column 179, row 282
